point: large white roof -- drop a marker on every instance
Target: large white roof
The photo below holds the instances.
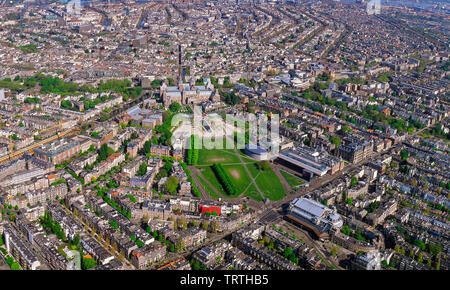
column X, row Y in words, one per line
column 310, row 206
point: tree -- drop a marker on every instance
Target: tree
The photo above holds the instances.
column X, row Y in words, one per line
column 289, row 254
column 404, row 155
column 179, row 246
column 230, row 98
column 354, row 181
column 182, row 223
column 224, row 178
column 156, row 83
column 334, row 251
column 76, row 240
column 204, row 225
column 383, row 78
column 349, row 201
column 196, row 265
column 175, row 107
column 134, row 135
column 105, row 152
column 88, row 263
column 215, row 226
column 420, row 257
column 263, row 165
column 195, row 191
column 142, row 169
column 346, row 230
column 66, row 104
column 419, row 244
column 171, row 185
column 359, row 236
column 433, row 249
column 147, row 146
column 336, row 141
column 15, row 266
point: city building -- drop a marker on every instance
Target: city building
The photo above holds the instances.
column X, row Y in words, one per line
column 58, row 151
column 314, row 216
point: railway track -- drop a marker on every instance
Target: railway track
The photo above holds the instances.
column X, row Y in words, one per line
column 29, row 149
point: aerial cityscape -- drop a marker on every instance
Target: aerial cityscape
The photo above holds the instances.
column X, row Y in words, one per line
column 224, row 135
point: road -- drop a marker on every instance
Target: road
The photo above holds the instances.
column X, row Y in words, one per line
column 274, row 210
column 109, row 249
column 248, row 172
column 196, row 176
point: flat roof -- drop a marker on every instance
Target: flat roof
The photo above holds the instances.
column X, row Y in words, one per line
column 314, row 167
column 310, row 206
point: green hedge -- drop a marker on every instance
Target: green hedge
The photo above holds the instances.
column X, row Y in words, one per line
column 192, row 154
column 224, row 179
column 196, row 191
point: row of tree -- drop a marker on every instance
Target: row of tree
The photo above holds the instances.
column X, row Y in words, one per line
column 164, row 130
column 102, row 192
column 195, row 190
column 192, row 154
column 224, row 178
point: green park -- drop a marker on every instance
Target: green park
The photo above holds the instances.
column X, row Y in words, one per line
column 229, row 173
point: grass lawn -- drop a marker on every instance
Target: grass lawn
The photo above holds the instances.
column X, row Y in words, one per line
column 224, row 156
column 291, row 179
column 253, row 170
column 208, row 174
column 253, row 193
column 267, row 181
column 245, row 158
column 208, row 189
column 239, row 177
column 270, row 185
